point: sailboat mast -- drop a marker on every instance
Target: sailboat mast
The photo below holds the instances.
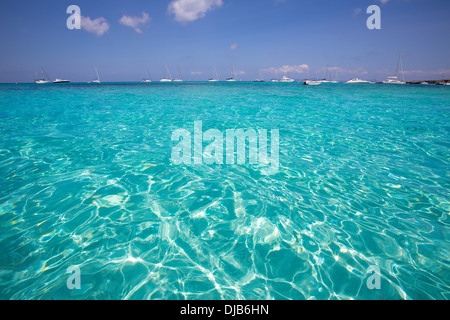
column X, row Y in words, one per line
column 400, row 67
column 96, row 72
column 44, row 73
column 215, row 74
column 179, row 73
column 168, row 73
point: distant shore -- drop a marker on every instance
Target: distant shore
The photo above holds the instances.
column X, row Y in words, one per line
column 430, row 82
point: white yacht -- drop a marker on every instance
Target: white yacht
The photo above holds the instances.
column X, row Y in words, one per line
column 180, row 79
column 357, row 81
column 233, row 76
column 216, row 77
column 98, row 78
column 166, row 79
column 148, row 78
column 395, row 79
column 44, row 78
column 312, row 82
column 336, row 81
column 327, row 76
column 336, row 78
column 286, row 79
column 260, row 79
column 61, row 81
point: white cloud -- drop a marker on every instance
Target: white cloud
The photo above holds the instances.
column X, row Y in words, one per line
column 135, row 22
column 384, row 1
column 302, row 68
column 98, row 26
column 234, row 46
column 190, row 10
column 356, row 12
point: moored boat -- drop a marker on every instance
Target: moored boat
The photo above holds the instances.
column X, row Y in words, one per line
column 311, row 82
column 357, row 81
column 286, row 79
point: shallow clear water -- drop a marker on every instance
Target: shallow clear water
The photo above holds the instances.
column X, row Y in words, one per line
column 86, row 180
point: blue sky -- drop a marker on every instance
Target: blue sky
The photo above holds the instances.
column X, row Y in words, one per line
column 124, row 38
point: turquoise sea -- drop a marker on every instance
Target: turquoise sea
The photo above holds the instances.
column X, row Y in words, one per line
column 87, row 181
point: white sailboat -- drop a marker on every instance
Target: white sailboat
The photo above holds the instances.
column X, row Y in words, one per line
column 261, row 78
column 326, row 76
column 336, row 78
column 180, row 79
column 148, row 78
column 216, row 77
column 166, row 79
column 98, row 78
column 44, row 78
column 395, row 79
column 232, row 79
column 308, row 82
column 312, row 82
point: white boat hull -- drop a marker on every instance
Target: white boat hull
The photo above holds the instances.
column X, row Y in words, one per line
column 394, row 82
column 311, row 83
column 357, row 81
